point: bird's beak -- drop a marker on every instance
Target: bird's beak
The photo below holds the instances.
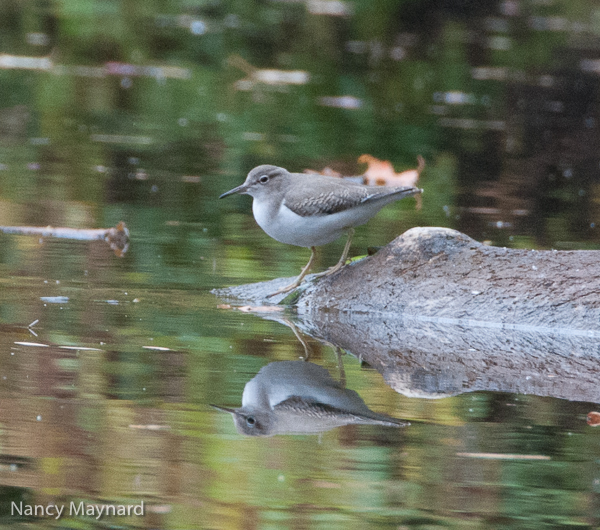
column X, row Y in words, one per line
column 240, row 189
column 222, row 409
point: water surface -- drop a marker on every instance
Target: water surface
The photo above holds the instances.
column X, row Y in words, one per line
column 147, row 113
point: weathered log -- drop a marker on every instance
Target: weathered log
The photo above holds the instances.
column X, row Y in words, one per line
column 442, row 273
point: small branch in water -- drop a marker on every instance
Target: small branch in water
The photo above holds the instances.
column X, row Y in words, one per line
column 117, row 237
column 503, row 456
column 30, row 327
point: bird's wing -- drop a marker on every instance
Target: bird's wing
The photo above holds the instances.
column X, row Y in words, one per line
column 336, row 196
column 331, row 199
column 305, row 407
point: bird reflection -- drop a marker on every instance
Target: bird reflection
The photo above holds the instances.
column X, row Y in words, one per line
column 300, row 397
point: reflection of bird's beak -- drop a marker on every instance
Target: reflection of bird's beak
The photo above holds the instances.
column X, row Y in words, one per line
column 240, row 189
column 222, row 409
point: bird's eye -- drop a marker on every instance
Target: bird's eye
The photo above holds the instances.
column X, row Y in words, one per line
column 250, row 421
column 264, row 179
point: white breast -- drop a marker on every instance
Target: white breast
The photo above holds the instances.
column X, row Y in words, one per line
column 288, row 227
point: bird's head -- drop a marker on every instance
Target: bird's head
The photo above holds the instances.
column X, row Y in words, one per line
column 260, row 181
column 250, row 423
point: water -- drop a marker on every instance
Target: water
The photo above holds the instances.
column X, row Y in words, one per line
column 146, row 114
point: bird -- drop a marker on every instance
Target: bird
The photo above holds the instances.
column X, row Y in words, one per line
column 300, row 397
column 308, row 210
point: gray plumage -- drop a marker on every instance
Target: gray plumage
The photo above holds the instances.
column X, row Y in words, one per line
column 305, row 408
column 299, row 397
column 337, row 195
column 320, row 194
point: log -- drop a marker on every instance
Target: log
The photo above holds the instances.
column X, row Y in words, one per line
column 443, row 273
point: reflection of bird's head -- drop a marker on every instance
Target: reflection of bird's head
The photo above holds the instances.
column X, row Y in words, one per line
column 252, row 424
column 248, row 423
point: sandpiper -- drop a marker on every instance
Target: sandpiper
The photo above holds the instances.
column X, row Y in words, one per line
column 309, row 210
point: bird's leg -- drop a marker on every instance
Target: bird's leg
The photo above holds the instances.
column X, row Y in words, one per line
column 304, row 343
column 298, row 280
column 343, row 258
column 338, row 354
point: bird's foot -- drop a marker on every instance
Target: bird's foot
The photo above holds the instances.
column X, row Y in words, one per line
column 285, row 289
column 297, row 283
column 330, row 270
column 343, row 257
column 299, row 279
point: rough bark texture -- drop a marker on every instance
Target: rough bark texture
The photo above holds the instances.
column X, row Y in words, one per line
column 440, row 273
column 438, row 313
